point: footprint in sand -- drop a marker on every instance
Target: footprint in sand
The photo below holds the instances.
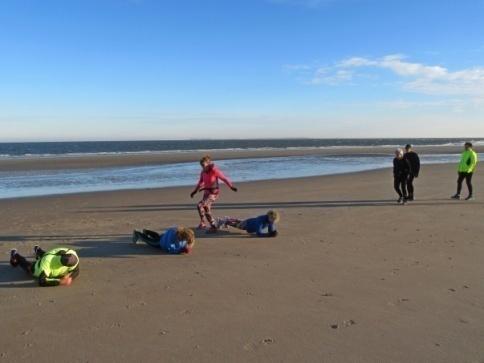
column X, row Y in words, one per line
column 345, row 324
column 267, row 341
column 249, row 347
column 348, row 323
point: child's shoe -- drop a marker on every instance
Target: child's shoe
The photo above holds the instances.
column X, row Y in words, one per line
column 456, row 197
column 202, row 226
column 135, row 237
column 13, row 257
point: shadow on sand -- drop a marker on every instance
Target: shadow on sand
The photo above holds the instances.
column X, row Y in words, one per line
column 117, row 246
column 269, row 205
column 89, row 246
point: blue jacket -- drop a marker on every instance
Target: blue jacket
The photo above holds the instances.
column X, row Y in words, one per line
column 169, row 243
column 259, row 224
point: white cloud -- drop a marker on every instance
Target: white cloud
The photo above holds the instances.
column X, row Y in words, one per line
column 416, row 77
column 325, row 75
column 421, row 78
column 356, row 62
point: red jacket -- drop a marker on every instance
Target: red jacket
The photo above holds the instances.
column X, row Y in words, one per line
column 209, row 179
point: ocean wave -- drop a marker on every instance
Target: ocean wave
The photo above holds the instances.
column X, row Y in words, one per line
column 364, row 143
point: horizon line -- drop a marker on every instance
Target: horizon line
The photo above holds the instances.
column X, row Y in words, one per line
column 243, row 139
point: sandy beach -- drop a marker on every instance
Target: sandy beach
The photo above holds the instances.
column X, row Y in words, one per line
column 352, row 277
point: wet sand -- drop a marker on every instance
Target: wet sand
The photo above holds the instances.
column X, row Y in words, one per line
column 352, row 277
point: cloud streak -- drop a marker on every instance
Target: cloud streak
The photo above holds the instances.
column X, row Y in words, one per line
column 432, row 80
column 416, row 77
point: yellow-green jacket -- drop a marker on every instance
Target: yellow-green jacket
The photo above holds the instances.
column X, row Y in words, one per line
column 49, row 269
column 468, row 162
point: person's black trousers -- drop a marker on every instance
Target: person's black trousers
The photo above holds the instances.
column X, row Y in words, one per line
column 400, row 185
column 468, row 179
column 410, row 185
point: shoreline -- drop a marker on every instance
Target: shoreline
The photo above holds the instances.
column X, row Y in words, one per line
column 190, row 187
column 96, row 161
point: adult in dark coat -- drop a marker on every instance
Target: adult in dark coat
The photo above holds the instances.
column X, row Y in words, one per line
column 414, row 161
column 401, row 170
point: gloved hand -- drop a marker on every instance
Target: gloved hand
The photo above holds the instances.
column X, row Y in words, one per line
column 234, row 189
column 192, row 194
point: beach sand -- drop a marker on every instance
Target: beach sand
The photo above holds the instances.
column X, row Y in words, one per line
column 352, row 277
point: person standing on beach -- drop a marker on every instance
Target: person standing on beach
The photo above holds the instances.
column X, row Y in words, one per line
column 58, row 266
column 401, row 171
column 414, row 162
column 208, row 182
column 465, row 170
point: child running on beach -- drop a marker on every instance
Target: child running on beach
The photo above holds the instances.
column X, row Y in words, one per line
column 258, row 225
column 208, row 182
column 58, row 266
column 174, row 240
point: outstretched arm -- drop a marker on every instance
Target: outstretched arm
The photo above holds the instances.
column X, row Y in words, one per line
column 197, row 187
column 226, row 180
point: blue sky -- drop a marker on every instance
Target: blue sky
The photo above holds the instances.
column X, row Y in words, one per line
column 145, row 69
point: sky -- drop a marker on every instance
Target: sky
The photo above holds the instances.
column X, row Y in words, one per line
column 146, row 69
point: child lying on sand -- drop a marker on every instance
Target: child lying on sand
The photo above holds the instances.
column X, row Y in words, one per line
column 258, row 225
column 174, row 240
column 58, row 266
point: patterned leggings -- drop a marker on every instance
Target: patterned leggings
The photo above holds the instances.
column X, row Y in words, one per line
column 232, row 222
column 205, row 207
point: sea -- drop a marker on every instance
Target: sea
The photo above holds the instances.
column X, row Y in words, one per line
column 14, row 184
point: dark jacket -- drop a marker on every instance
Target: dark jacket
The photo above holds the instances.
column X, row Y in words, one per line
column 259, row 224
column 414, row 161
column 401, row 168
